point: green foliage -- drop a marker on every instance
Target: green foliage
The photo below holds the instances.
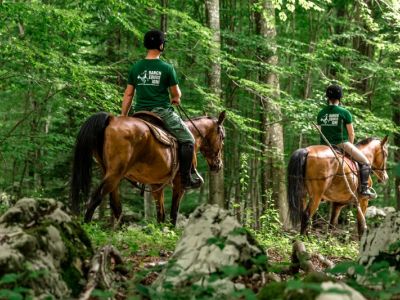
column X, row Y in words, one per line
column 377, row 281
column 13, row 285
column 134, row 239
column 99, row 294
column 272, row 237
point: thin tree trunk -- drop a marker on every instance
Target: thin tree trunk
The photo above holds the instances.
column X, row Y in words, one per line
column 216, row 188
column 164, row 16
column 148, row 206
column 396, row 139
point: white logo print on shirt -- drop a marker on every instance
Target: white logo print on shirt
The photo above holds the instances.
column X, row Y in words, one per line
column 330, row 120
column 149, row 78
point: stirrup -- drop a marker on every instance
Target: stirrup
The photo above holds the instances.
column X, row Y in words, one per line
column 196, row 176
column 370, row 192
column 192, row 182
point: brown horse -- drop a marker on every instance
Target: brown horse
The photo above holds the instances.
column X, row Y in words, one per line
column 317, row 172
column 125, row 148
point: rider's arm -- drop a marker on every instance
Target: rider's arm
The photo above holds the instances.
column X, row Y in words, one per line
column 350, row 131
column 175, row 94
column 127, row 100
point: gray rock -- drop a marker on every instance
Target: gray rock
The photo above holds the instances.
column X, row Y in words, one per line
column 373, row 211
column 382, row 243
column 211, row 241
column 38, row 237
column 329, row 292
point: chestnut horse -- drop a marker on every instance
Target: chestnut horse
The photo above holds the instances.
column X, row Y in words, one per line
column 317, row 172
column 125, row 148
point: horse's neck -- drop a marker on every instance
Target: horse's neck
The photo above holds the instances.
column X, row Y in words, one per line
column 369, row 151
column 200, row 129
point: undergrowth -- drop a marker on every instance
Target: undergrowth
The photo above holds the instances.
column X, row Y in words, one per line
column 148, row 239
column 272, row 237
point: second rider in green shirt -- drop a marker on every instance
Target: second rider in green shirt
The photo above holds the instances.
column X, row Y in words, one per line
column 336, row 125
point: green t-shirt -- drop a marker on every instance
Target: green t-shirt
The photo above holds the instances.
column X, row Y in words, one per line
column 333, row 120
column 151, row 79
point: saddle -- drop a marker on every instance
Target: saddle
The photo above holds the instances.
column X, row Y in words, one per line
column 157, row 127
column 353, row 164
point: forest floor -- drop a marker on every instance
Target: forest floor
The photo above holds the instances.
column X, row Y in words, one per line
column 146, row 248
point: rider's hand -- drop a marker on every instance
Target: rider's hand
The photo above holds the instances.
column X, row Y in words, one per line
column 176, row 101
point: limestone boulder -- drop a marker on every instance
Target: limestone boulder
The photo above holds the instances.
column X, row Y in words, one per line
column 377, row 212
column 382, row 243
column 212, row 249
column 42, row 245
column 338, row 291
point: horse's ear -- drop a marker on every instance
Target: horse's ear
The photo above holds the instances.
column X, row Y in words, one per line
column 221, row 117
column 384, row 141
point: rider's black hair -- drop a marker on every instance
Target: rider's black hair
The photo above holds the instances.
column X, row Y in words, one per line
column 153, row 39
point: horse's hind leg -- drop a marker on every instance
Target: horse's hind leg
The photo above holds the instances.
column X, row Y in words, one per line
column 309, row 212
column 108, row 184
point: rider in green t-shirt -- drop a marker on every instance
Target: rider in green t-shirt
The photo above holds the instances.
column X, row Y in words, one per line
column 336, row 125
column 152, row 81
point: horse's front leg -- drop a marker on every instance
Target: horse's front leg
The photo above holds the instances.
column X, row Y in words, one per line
column 116, row 207
column 158, row 196
column 177, row 194
column 361, row 224
column 336, row 209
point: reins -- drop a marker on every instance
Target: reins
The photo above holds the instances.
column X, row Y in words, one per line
column 181, row 110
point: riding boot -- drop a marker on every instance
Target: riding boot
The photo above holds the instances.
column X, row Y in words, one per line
column 186, row 152
column 365, row 171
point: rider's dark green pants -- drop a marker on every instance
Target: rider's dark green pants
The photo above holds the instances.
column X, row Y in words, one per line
column 174, row 124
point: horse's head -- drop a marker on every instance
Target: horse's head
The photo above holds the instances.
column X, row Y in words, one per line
column 213, row 143
column 379, row 161
column 377, row 152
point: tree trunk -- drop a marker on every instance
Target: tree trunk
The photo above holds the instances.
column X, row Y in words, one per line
column 272, row 140
column 148, row 205
column 164, row 18
column 396, row 120
column 216, row 194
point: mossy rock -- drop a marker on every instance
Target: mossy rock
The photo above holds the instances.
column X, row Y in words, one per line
column 44, row 247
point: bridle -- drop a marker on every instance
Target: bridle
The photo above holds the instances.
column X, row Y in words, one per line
column 207, row 149
column 383, row 168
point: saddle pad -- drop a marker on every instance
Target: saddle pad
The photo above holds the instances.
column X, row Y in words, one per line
column 149, row 117
column 349, row 160
column 162, row 136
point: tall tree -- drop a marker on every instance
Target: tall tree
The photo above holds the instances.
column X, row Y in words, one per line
column 396, row 120
column 271, row 127
column 216, row 194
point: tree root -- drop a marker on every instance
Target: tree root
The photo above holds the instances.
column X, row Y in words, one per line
column 102, row 270
column 301, row 259
column 325, row 261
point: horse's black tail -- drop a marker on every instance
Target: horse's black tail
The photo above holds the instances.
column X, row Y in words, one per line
column 296, row 184
column 90, row 138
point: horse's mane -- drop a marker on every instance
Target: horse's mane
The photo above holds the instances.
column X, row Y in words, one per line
column 204, row 117
column 366, row 141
